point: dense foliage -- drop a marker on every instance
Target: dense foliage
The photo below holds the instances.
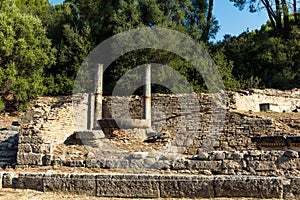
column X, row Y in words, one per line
column 25, row 52
column 43, row 46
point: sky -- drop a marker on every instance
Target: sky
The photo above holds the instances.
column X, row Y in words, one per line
column 231, row 20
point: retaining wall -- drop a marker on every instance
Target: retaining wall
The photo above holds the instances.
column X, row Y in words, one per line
column 188, row 120
column 154, row 185
column 255, row 163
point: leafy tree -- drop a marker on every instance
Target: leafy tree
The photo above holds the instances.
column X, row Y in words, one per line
column 25, row 52
column 265, row 58
column 107, row 18
column 36, row 7
column 71, row 37
column 276, row 9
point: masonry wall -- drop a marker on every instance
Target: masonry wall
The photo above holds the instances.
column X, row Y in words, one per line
column 153, row 186
column 193, row 117
column 191, row 121
column 47, row 123
column 281, row 101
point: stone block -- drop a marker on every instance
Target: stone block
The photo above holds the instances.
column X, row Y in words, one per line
column 262, row 165
column 201, row 156
column 7, row 180
column 32, row 181
column 135, row 164
column 128, row 186
column 47, row 159
column 179, row 164
column 248, row 187
column 214, row 166
column 30, row 139
column 73, row 183
column 1, row 177
column 231, row 164
column 24, row 148
column 76, row 163
column 218, row 155
column 291, row 191
column 41, row 148
column 29, row 159
column 186, row 187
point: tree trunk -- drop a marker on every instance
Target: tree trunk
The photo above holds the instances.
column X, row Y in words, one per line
column 295, row 11
column 285, row 15
column 206, row 32
column 270, row 12
column 278, row 15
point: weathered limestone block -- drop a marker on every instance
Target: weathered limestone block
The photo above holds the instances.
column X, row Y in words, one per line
column 41, row 148
column 94, row 163
column 201, row 156
column 7, row 180
column 186, row 187
column 218, row 155
column 262, row 165
column 235, row 155
column 32, row 181
column 179, row 164
column 29, row 159
column 291, row 191
column 75, row 163
column 24, row 148
column 30, row 140
column 251, row 187
column 129, row 186
column 73, row 183
column 231, row 164
column 214, row 166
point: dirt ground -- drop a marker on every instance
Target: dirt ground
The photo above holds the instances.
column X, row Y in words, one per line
column 7, row 118
column 12, row 194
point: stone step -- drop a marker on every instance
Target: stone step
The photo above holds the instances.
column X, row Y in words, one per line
column 154, row 185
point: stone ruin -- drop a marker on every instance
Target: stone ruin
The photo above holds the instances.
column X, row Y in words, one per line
column 253, row 156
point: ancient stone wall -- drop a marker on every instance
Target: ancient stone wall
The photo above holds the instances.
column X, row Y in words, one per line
column 190, row 117
column 156, row 185
column 254, row 163
column 281, row 101
column 189, row 120
column 47, row 123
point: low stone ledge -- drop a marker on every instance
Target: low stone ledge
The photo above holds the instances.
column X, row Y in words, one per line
column 129, row 186
column 186, row 186
column 32, row 181
column 247, row 186
column 73, row 183
column 154, row 185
